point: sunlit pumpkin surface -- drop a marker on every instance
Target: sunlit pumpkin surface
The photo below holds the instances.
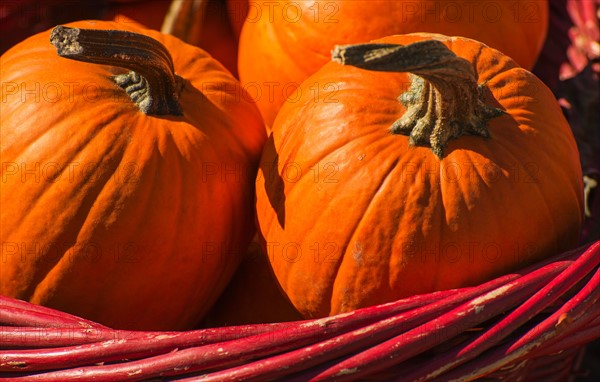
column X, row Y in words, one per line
column 130, row 220
column 352, row 216
column 284, row 42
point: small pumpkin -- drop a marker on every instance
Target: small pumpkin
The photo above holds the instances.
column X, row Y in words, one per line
column 127, row 194
column 389, row 185
column 253, row 295
column 284, row 42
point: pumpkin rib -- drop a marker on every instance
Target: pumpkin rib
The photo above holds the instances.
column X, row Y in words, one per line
column 393, row 239
column 437, row 204
column 554, row 223
column 506, row 147
column 48, row 273
column 442, row 226
column 518, row 160
column 486, row 189
column 451, row 209
column 33, row 139
column 296, row 186
column 163, row 165
column 542, row 196
column 37, row 198
column 351, row 237
column 54, row 125
column 469, row 206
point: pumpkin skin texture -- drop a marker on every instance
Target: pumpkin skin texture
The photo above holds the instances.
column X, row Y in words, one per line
column 213, row 32
column 131, row 220
column 353, row 216
column 217, row 36
column 237, row 10
column 284, row 42
column 253, row 295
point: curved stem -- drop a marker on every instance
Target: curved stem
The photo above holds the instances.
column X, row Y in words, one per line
column 152, row 83
column 444, row 101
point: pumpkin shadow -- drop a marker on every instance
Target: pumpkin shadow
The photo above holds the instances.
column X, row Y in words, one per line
column 273, row 182
column 216, row 113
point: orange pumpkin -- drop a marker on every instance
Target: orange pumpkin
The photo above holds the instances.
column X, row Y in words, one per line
column 217, row 36
column 283, row 42
column 127, row 197
column 237, row 10
column 253, row 296
column 354, row 213
column 203, row 23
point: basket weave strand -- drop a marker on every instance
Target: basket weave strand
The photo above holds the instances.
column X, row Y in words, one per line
column 524, row 325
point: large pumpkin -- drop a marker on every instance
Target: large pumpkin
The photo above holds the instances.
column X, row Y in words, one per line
column 354, row 213
column 127, row 197
column 283, row 42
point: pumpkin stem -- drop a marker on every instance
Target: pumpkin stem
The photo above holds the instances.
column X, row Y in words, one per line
column 151, row 83
column 444, row 100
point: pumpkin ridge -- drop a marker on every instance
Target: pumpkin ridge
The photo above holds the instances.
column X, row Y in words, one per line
column 551, row 219
column 118, row 273
column 330, row 152
column 33, row 137
column 37, row 200
column 80, row 217
column 75, row 153
column 370, row 205
column 442, row 226
column 391, row 258
column 536, row 152
column 474, row 60
column 401, row 239
column 467, row 223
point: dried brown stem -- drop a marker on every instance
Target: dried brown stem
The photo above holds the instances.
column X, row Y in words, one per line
column 444, row 101
column 152, row 83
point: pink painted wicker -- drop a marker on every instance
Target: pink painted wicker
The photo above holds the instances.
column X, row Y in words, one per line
column 525, row 326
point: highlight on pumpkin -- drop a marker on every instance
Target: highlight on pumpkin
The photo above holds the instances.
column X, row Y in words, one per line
column 384, row 181
column 418, row 174
column 293, row 39
column 130, row 206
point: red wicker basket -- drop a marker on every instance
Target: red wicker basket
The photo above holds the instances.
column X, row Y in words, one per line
column 525, row 326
